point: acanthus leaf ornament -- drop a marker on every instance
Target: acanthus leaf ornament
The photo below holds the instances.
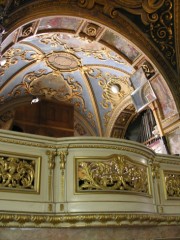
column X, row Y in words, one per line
column 172, row 184
column 117, row 173
column 161, row 30
column 17, row 173
column 140, row 7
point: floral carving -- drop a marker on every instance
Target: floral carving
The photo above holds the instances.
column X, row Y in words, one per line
column 117, row 173
column 172, row 182
column 17, row 173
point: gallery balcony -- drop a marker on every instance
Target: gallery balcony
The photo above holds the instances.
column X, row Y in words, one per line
column 85, row 181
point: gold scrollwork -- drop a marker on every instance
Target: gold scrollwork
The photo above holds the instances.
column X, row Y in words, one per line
column 118, row 173
column 27, row 31
column 108, row 80
column 91, row 30
column 80, row 129
column 57, row 39
column 18, row 173
column 148, row 69
column 139, row 7
column 156, row 15
column 172, row 184
column 13, row 54
column 161, row 30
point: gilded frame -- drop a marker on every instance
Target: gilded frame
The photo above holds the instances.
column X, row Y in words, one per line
column 27, row 158
column 172, row 172
column 77, row 160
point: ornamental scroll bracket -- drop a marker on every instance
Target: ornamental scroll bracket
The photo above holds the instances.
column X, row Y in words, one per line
column 51, row 158
column 140, row 7
column 62, row 155
column 155, row 170
column 157, row 16
column 51, row 165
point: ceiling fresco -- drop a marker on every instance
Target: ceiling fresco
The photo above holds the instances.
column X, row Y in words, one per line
column 75, row 62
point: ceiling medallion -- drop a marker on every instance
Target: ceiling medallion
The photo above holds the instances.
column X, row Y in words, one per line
column 63, row 61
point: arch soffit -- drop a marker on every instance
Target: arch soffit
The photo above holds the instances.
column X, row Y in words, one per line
column 105, row 21
column 109, row 17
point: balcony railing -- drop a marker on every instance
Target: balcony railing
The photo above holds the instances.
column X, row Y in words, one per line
column 85, row 181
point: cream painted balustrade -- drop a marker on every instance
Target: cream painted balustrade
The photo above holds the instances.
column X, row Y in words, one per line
column 85, row 181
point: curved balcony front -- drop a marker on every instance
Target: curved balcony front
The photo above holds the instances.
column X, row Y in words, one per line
column 60, row 182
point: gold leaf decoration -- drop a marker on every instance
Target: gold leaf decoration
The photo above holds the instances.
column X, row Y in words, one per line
column 16, row 173
column 106, row 81
column 172, row 184
column 101, row 53
column 118, row 173
column 161, row 30
column 157, row 16
column 14, row 55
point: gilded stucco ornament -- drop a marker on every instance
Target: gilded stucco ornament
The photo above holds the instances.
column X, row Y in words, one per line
column 58, row 39
column 51, row 86
column 63, row 61
column 14, row 55
column 91, row 30
column 157, row 16
column 107, row 81
column 62, row 155
column 140, row 7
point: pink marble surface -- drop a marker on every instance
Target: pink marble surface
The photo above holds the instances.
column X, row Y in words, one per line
column 118, row 233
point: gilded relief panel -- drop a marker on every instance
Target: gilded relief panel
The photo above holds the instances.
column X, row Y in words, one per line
column 172, row 184
column 116, row 173
column 19, row 173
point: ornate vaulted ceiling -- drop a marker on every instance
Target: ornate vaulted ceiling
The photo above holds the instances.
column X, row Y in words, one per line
column 75, row 61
